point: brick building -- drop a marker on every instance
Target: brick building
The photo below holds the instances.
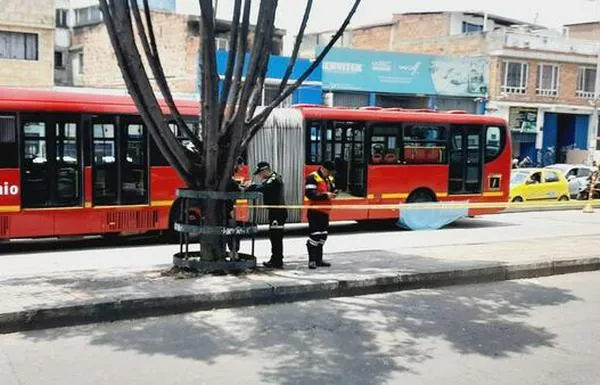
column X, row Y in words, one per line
column 541, row 81
column 93, row 62
column 27, row 42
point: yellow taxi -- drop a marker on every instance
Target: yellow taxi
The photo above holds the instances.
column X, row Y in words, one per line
column 531, row 184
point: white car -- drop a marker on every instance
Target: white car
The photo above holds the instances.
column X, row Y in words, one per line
column 577, row 175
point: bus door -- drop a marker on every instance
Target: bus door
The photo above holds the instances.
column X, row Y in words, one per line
column 465, row 160
column 120, row 161
column 357, row 165
column 51, row 161
column 344, row 145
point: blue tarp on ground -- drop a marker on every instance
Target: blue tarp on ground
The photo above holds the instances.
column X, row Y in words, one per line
column 428, row 218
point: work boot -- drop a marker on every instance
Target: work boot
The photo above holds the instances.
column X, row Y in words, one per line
column 273, row 264
column 312, row 263
column 319, row 259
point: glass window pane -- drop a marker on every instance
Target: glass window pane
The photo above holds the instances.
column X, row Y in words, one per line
column 590, row 80
column 31, row 46
column 492, row 142
column 135, row 130
column 425, row 143
column 35, row 129
column 8, row 142
column 104, row 131
column 17, row 46
column 104, row 152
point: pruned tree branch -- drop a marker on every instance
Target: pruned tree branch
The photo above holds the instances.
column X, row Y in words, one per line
column 263, row 64
column 290, row 68
column 239, row 63
column 256, row 70
column 151, row 51
column 231, row 61
column 256, row 123
column 119, row 26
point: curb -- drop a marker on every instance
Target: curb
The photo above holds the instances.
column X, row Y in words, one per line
column 159, row 306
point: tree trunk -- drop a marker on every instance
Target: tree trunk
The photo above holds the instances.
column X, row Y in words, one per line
column 215, row 215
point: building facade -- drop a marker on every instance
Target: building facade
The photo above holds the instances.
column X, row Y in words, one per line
column 89, row 60
column 27, row 43
column 541, row 81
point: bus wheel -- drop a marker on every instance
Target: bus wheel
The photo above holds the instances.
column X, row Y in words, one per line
column 421, row 196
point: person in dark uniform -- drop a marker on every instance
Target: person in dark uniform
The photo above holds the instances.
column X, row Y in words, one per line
column 273, row 195
column 320, row 191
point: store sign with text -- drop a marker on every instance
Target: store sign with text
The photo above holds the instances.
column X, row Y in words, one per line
column 375, row 71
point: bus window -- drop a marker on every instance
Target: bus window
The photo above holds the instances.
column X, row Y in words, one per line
column 135, row 165
column 8, row 142
column 105, row 171
column 68, row 165
column 35, row 172
column 494, row 142
column 315, row 141
column 425, row 143
column 384, row 145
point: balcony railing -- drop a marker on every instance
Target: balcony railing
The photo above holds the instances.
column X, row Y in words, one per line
column 584, row 94
column 514, row 90
column 545, row 92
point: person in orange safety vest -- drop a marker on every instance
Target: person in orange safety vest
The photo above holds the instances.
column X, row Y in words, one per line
column 320, row 190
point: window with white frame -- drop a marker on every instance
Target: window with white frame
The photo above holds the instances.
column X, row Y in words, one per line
column 547, row 80
column 514, row 77
column 586, row 82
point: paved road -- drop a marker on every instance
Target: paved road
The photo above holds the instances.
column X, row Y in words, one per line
column 27, row 259
column 544, row 331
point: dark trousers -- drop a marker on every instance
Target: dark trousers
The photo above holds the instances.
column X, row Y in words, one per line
column 318, row 229
column 276, row 238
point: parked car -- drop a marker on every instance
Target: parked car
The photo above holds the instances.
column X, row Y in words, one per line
column 576, row 174
column 530, row 184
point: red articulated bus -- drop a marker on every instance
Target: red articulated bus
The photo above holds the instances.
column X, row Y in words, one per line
column 75, row 163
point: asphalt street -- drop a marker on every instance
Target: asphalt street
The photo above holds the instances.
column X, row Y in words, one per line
column 544, row 331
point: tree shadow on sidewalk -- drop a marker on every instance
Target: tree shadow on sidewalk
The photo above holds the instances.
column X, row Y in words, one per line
column 358, row 340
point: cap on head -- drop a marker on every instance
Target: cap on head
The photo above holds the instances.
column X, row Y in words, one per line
column 329, row 166
column 261, row 166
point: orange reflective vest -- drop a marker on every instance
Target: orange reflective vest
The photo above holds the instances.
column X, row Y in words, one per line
column 315, row 188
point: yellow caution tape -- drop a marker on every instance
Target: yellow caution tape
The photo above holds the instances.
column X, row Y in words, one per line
column 440, row 205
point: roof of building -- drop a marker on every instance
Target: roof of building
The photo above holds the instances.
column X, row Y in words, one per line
column 497, row 18
column 491, row 16
column 583, row 23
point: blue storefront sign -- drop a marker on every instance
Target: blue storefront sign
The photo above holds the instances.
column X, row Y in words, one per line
column 309, row 92
column 388, row 72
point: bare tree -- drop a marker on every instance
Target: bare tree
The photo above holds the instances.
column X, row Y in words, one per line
column 229, row 118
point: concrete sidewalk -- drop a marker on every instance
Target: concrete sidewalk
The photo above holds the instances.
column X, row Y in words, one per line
column 61, row 298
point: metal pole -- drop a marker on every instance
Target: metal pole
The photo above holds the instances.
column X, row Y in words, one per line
column 594, row 134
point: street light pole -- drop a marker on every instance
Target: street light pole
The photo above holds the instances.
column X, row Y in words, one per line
column 595, row 119
column 593, row 136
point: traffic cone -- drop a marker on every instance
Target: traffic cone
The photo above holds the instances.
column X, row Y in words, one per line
column 588, row 209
